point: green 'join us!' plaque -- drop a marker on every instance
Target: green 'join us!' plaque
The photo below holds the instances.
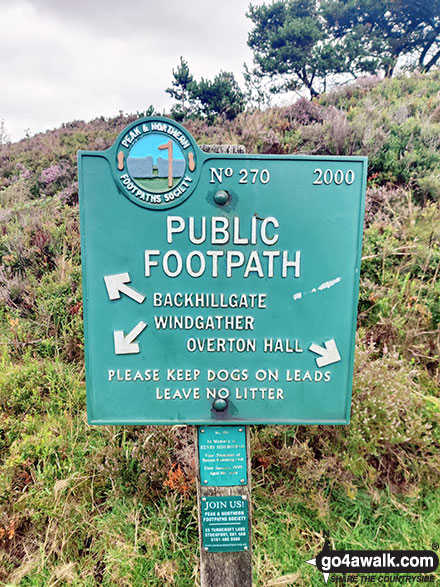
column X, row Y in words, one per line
column 225, row 523
column 218, row 289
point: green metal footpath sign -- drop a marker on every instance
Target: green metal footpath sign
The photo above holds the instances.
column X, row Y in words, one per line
column 218, row 289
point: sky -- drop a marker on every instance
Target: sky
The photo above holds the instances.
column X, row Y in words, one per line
column 149, row 145
column 64, row 60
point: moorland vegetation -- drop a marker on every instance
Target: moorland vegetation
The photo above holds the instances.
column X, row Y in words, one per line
column 116, row 506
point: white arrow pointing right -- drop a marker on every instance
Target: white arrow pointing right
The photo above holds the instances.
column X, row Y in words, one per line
column 115, row 285
column 125, row 345
column 328, row 355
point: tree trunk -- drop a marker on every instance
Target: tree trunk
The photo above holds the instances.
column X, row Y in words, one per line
column 431, row 63
column 313, row 93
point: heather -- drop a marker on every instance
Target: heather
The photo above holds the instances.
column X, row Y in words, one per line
column 116, row 506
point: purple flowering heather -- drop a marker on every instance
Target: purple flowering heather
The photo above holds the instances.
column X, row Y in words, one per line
column 69, row 195
column 51, row 174
column 23, row 171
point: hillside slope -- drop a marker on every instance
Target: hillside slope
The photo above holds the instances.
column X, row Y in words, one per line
column 116, row 506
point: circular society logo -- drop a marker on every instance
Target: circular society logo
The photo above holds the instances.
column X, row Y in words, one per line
column 156, row 163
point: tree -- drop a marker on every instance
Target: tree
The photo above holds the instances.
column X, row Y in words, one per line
column 207, row 98
column 180, row 90
column 291, row 47
column 387, row 30
column 257, row 91
column 299, row 43
column 426, row 16
column 220, row 97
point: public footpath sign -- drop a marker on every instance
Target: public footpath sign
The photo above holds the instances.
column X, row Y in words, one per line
column 218, row 289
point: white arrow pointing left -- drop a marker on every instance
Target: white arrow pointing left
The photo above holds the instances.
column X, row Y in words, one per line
column 124, row 344
column 327, row 355
column 115, row 285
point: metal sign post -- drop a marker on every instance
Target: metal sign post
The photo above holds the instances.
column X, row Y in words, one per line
column 219, row 290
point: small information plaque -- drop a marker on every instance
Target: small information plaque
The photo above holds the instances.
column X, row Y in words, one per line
column 222, row 455
column 225, row 523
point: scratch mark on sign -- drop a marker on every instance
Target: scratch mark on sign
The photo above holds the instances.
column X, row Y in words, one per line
column 322, row 287
column 330, row 283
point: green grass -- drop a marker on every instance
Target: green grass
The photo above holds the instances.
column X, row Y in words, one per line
column 92, row 506
column 283, row 546
column 156, row 184
column 103, row 506
column 84, row 515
